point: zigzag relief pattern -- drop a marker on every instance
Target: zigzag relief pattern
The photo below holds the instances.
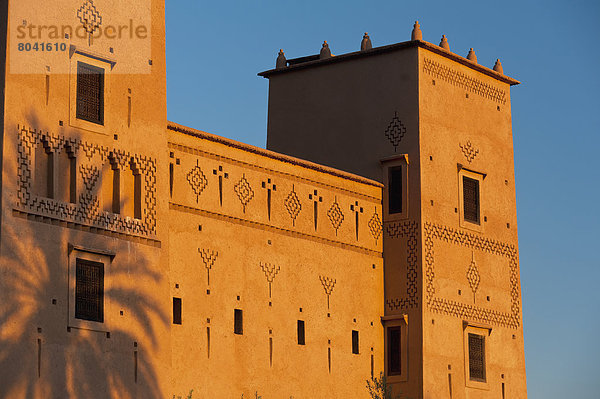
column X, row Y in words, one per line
column 87, row 210
column 462, row 80
column 409, row 230
column 469, row 240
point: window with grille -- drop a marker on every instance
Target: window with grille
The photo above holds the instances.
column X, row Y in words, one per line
column 476, row 357
column 176, row 310
column 301, row 339
column 355, row 342
column 394, row 355
column 395, row 190
column 89, row 290
column 471, row 199
column 238, row 322
column 90, row 93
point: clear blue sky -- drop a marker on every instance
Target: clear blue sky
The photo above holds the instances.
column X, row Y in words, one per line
column 215, row 49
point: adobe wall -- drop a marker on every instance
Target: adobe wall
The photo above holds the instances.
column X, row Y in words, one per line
column 299, row 256
column 45, row 351
column 471, row 272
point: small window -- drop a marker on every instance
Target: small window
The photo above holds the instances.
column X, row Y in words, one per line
column 137, row 196
column 471, row 199
column 394, row 351
column 176, row 310
column 90, row 93
column 355, row 342
column 238, row 322
column 301, row 340
column 116, row 190
column 395, row 190
column 477, row 357
column 89, row 290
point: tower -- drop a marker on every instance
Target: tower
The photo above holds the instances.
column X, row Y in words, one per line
column 81, row 235
column 435, row 128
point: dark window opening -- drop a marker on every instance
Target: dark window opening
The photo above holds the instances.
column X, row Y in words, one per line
column 89, row 290
column 301, row 337
column 395, row 190
column 116, row 191
column 90, row 93
column 72, row 179
column 238, row 322
column 471, row 199
column 477, row 357
column 176, row 310
column 137, row 196
column 355, row 342
column 394, row 354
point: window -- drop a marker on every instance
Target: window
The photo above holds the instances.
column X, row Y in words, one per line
column 471, row 199
column 476, row 345
column 44, row 170
column 238, row 322
column 395, row 190
column 301, row 340
column 137, row 196
column 470, row 186
column 176, row 310
column 394, row 351
column 395, row 195
column 67, row 176
column 89, row 290
column 355, row 342
column 90, row 93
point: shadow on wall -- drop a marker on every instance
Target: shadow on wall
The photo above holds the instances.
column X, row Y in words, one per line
column 40, row 356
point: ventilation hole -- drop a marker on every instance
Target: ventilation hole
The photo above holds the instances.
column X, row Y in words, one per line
column 432, row 321
column 459, row 292
column 498, row 108
column 121, row 313
column 107, row 335
column 39, row 330
column 508, row 225
column 430, row 158
column 270, row 303
column 431, row 202
column 466, row 95
column 176, row 285
column 68, row 329
column 488, row 298
column 433, row 82
column 354, row 320
column 328, row 314
column 300, row 310
column 116, row 137
column 449, row 367
column 199, row 227
column 269, row 242
column 171, row 155
column 135, row 344
column 54, row 301
column 112, row 50
column 455, row 210
column 238, row 297
column 60, row 123
column 207, row 292
column 149, row 62
column 485, row 218
column 373, row 266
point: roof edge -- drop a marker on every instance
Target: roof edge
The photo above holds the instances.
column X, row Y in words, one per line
column 393, row 47
column 270, row 154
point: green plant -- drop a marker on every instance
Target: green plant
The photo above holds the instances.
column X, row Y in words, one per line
column 189, row 396
column 379, row 389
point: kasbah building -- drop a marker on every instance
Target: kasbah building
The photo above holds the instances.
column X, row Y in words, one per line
column 141, row 258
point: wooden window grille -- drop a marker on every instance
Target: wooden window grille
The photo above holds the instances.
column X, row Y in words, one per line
column 176, row 310
column 394, row 351
column 238, row 322
column 89, row 290
column 90, row 93
column 471, row 199
column 301, row 335
column 355, row 342
column 395, row 190
column 477, row 357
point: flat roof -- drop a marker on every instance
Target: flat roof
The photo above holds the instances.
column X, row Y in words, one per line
column 387, row 49
column 270, row 154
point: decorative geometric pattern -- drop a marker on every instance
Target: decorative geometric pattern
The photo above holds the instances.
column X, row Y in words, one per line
column 336, row 216
column 244, row 191
column 197, row 180
column 395, row 131
column 89, row 16
column 270, row 272
column 375, row 226
column 410, row 231
column 469, row 151
column 209, row 257
column 475, row 242
column 463, row 81
column 90, row 175
column 293, row 205
column 473, row 276
column 87, row 210
column 328, row 286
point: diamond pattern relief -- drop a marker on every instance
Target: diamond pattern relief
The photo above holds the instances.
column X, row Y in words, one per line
column 395, row 131
column 469, row 151
column 89, row 16
column 197, row 180
column 336, row 217
column 293, row 205
column 473, row 276
column 244, row 191
column 375, row 226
